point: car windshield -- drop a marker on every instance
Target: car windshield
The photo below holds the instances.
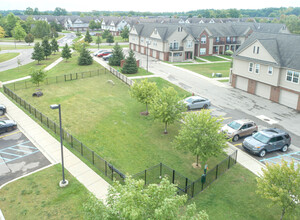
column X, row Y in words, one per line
column 2, row 123
column 189, row 100
column 234, row 125
column 260, row 137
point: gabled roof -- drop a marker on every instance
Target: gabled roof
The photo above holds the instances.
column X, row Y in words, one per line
column 284, row 48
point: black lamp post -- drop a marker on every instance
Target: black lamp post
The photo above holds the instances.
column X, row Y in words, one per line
column 63, row 182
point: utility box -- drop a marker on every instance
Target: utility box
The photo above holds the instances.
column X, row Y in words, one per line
column 218, row 74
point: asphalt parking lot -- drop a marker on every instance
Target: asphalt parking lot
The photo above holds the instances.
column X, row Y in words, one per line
column 18, row 156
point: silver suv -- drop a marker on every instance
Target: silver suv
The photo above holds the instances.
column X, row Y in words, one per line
column 267, row 140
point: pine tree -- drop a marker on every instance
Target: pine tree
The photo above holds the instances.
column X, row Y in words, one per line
column 66, row 52
column 38, row 52
column 110, row 38
column 117, row 56
column 29, row 38
column 54, row 46
column 98, row 41
column 130, row 65
column 85, row 57
column 46, row 47
column 88, row 38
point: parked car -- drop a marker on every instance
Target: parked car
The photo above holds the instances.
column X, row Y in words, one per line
column 196, row 102
column 267, row 140
column 2, row 110
column 107, row 57
column 98, row 52
column 7, row 125
column 104, row 53
column 239, row 128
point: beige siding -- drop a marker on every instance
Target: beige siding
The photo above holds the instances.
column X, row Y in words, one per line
column 287, row 84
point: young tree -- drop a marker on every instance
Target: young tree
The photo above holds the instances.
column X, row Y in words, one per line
column 281, row 184
column 105, row 34
column 11, row 21
column 117, row 56
column 29, row 38
column 85, row 57
column 134, row 200
column 88, row 38
column 92, row 25
column 98, row 41
column 110, row 38
column 144, row 92
column 19, row 63
column 200, row 135
column 167, row 107
column 41, row 29
column 54, row 46
column 66, row 52
column 46, row 47
column 18, row 32
column 38, row 76
column 38, row 53
column 2, row 32
column 130, row 65
column 125, row 33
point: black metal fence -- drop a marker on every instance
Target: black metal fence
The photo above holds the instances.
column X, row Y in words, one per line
column 184, row 184
column 121, row 76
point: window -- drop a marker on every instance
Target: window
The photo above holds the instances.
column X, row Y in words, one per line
column 179, row 29
column 254, row 49
column 189, row 44
column 251, row 67
column 292, row 76
column 257, row 51
column 202, row 51
column 175, row 44
column 270, row 70
column 203, row 39
column 217, row 39
column 233, row 39
column 257, row 66
column 142, row 40
column 228, row 39
column 177, row 54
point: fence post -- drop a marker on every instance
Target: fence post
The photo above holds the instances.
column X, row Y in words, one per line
column 217, row 167
column 105, row 168
column 54, row 127
column 47, row 122
column 202, row 186
column 93, row 158
column 160, row 169
column 112, row 172
column 81, row 148
column 76, row 75
column 72, row 141
column 186, row 184
column 193, row 189
column 229, row 162
column 145, row 177
column 173, row 179
column 236, row 152
column 35, row 112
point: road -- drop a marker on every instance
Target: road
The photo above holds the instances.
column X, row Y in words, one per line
column 24, row 57
column 67, row 39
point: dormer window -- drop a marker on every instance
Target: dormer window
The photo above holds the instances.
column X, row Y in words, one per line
column 180, row 29
column 254, row 49
column 257, row 50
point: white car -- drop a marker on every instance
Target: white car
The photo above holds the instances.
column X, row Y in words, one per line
column 196, row 102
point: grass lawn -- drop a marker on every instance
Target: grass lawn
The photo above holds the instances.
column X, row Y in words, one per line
column 141, row 72
column 224, row 80
column 106, row 46
column 7, row 56
column 199, row 61
column 233, row 197
column 25, row 70
column 17, row 47
column 226, row 56
column 208, row 69
column 39, row 196
column 212, row 58
column 117, row 39
column 71, row 66
column 109, row 122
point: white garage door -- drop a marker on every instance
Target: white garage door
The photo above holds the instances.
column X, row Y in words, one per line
column 161, row 56
column 288, row 98
column 241, row 83
column 154, row 54
column 263, row 90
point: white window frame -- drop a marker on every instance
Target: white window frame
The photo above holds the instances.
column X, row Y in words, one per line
column 218, row 39
column 203, row 52
column 292, row 76
column 250, row 68
column 254, row 49
column 189, row 44
column 257, row 67
column 175, row 45
column 203, row 41
column 270, row 70
column 257, row 50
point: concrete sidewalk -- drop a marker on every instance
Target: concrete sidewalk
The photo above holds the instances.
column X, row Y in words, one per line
column 49, row 146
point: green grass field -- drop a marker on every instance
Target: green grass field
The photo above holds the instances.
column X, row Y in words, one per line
column 212, row 58
column 39, row 196
column 117, row 39
column 208, row 69
column 141, row 72
column 106, row 46
column 15, row 47
column 7, row 56
column 25, row 70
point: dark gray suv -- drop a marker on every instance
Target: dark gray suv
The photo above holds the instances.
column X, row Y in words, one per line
column 2, row 109
column 267, row 140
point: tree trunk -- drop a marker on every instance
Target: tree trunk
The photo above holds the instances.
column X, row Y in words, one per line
column 147, row 109
column 166, row 124
column 282, row 213
column 197, row 164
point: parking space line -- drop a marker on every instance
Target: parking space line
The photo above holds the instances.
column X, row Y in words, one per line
column 237, row 144
column 16, row 145
column 19, row 157
column 9, row 134
column 278, row 157
column 30, row 147
column 25, row 151
column 227, row 118
column 16, row 155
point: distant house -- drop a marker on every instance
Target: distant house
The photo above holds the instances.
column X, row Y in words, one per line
column 268, row 65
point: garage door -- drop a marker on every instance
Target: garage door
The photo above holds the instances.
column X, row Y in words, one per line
column 288, row 98
column 161, row 56
column 154, row 53
column 263, row 90
column 241, row 83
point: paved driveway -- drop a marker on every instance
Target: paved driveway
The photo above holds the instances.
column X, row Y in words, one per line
column 24, row 57
column 18, row 156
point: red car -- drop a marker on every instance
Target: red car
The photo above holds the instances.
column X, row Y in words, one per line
column 105, row 53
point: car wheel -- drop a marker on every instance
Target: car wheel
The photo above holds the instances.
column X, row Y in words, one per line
column 1, row 112
column 9, row 129
column 205, row 106
column 262, row 153
column 235, row 138
column 284, row 148
column 254, row 132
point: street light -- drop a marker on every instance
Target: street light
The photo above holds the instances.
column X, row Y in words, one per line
column 63, row 182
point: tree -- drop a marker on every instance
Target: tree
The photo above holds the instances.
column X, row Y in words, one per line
column 18, row 32
column 110, row 38
column 92, row 25
column 2, row 32
column 19, row 63
column 41, row 29
column 29, row 38
column 134, row 200
column 98, row 41
column 144, row 92
column 130, row 65
column 28, row 11
column 36, row 11
column 88, row 38
column 38, row 76
column 234, row 13
column 57, row 27
column 281, row 184
column 46, row 47
column 125, row 33
column 53, row 33
column 38, row 52
column 59, row 11
column 28, row 24
column 117, row 56
column 11, row 21
column 166, row 107
column 66, row 52
column 85, row 57
column 105, row 34
column 78, row 46
column 199, row 134
column 54, row 46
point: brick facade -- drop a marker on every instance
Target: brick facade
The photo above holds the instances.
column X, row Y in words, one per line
column 251, row 86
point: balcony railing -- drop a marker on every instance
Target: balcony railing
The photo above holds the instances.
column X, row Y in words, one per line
column 176, row 48
column 227, row 42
